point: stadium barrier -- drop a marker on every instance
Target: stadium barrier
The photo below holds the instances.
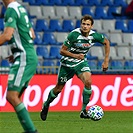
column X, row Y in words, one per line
column 54, row 70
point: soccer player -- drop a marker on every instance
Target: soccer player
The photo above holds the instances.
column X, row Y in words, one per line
column 19, row 34
column 74, row 62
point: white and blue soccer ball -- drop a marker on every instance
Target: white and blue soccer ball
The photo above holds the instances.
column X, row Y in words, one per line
column 95, row 113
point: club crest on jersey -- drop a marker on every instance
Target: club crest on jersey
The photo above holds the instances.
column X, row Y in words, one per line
column 10, row 19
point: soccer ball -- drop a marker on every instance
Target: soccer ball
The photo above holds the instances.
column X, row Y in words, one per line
column 95, row 113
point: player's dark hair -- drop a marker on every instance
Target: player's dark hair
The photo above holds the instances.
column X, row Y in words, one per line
column 87, row 17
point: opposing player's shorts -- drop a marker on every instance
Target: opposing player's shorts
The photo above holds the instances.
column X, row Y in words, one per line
column 20, row 74
column 66, row 73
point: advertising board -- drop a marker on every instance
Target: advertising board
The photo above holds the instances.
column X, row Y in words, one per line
column 111, row 92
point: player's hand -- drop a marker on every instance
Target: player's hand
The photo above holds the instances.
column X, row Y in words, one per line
column 10, row 58
column 105, row 66
column 80, row 56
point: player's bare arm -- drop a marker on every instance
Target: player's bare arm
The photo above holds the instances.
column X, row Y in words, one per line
column 64, row 51
column 107, row 51
column 32, row 33
column 6, row 35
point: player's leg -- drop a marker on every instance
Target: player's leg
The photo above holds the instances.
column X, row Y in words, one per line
column 17, row 78
column 64, row 75
column 22, row 113
column 85, row 76
column 52, row 95
column 86, row 79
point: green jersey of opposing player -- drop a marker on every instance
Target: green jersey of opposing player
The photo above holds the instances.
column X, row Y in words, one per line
column 19, row 34
column 77, row 43
column 21, row 44
column 22, row 40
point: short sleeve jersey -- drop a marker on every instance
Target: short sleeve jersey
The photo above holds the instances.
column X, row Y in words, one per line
column 77, row 43
column 17, row 18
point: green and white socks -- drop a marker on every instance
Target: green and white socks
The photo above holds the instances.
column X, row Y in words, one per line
column 51, row 97
column 24, row 118
column 86, row 97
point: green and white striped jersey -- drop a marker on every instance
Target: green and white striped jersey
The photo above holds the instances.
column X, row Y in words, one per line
column 77, row 43
column 21, row 41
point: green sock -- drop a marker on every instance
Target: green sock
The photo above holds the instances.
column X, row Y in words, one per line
column 51, row 97
column 86, row 97
column 24, row 118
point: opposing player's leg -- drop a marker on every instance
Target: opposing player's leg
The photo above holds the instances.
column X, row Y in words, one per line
column 14, row 91
column 22, row 113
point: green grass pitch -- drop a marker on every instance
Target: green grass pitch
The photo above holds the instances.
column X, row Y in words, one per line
column 69, row 122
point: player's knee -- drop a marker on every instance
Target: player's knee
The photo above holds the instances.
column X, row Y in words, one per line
column 58, row 88
column 88, row 83
column 12, row 98
column 9, row 97
column 57, row 91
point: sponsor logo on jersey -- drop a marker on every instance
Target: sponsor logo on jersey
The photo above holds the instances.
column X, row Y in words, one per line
column 83, row 44
column 79, row 50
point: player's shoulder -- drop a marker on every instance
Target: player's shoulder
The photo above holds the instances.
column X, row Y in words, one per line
column 92, row 32
column 75, row 32
column 13, row 4
column 15, row 8
column 73, row 35
column 12, row 8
